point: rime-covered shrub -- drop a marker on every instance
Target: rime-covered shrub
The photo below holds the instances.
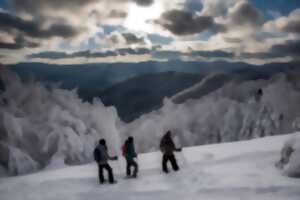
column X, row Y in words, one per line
column 289, row 161
column 39, row 126
column 228, row 114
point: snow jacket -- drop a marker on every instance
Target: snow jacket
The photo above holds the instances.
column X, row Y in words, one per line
column 130, row 153
column 103, row 156
column 167, row 145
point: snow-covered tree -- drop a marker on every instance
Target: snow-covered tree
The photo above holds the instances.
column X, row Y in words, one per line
column 39, row 126
column 289, row 161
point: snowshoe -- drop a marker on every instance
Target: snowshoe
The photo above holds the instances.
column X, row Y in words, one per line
column 134, row 176
column 130, row 177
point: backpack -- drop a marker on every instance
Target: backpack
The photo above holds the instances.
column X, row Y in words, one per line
column 97, row 155
column 124, row 149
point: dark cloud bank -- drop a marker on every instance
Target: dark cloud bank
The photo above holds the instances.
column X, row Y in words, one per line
column 181, row 22
column 10, row 22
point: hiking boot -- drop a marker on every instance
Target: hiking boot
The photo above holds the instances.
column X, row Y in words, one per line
column 134, row 176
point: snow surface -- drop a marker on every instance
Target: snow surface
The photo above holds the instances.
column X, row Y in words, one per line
column 240, row 170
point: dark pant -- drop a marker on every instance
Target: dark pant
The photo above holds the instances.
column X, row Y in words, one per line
column 131, row 163
column 109, row 171
column 173, row 161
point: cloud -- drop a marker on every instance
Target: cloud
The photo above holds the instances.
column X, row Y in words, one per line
column 287, row 24
column 115, row 39
column 54, row 55
column 144, row 2
column 216, row 8
column 36, row 6
column 244, row 13
column 75, row 11
column 10, row 22
column 232, row 40
column 4, row 45
column 71, row 22
column 292, row 27
column 133, row 39
column 243, row 26
column 181, row 22
column 121, row 40
column 136, row 51
column 291, row 24
column 290, row 48
column 205, row 26
column 117, row 14
column 19, row 43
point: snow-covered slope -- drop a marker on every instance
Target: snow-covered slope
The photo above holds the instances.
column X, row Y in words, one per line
column 240, row 170
column 209, row 84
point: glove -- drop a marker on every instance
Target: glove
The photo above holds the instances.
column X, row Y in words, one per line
column 115, row 158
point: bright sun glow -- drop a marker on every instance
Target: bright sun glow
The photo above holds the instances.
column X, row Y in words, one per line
column 139, row 18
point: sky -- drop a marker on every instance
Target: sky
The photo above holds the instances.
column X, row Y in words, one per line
column 91, row 31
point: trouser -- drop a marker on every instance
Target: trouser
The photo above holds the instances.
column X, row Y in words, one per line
column 131, row 163
column 109, row 171
column 173, row 161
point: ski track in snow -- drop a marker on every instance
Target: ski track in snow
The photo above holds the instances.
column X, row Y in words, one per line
column 242, row 170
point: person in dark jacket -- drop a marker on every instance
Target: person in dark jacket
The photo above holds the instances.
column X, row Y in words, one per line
column 130, row 154
column 167, row 148
column 102, row 157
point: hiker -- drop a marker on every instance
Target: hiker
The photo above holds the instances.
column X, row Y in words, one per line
column 101, row 157
column 129, row 153
column 167, row 148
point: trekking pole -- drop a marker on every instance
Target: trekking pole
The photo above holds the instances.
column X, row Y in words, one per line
column 181, row 153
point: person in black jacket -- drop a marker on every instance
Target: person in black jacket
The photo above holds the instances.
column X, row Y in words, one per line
column 102, row 157
column 167, row 148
